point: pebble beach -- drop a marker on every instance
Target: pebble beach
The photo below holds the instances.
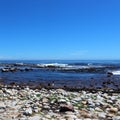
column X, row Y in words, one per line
column 18, row 103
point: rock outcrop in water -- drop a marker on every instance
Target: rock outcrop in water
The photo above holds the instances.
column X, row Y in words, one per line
column 15, row 69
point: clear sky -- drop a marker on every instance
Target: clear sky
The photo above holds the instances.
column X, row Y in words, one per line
column 59, row 29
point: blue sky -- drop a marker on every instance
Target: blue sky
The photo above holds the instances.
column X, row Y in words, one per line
column 59, row 29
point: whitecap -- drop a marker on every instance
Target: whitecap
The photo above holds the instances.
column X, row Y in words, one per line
column 116, row 72
column 52, row 65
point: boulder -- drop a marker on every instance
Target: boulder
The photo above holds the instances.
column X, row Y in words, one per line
column 66, row 107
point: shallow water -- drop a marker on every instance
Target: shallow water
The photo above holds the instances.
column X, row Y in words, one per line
column 71, row 73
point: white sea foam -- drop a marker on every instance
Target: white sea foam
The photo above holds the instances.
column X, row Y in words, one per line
column 19, row 63
column 116, row 72
column 52, row 65
column 69, row 67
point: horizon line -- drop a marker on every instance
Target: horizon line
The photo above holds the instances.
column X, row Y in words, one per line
column 55, row 59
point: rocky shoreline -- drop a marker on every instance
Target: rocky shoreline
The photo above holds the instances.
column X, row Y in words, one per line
column 67, row 76
column 18, row 103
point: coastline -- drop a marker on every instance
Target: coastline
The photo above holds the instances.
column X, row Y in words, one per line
column 59, row 91
column 75, row 75
column 24, row 103
column 50, row 85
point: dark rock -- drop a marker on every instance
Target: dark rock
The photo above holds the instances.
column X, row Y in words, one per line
column 13, row 69
column 28, row 69
column 21, row 70
column 66, row 107
column 109, row 74
column 12, row 83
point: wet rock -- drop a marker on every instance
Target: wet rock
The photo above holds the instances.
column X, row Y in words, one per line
column 109, row 74
column 28, row 69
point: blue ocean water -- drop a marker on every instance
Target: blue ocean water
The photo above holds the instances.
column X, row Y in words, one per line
column 77, row 73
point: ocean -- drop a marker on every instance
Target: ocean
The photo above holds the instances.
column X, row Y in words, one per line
column 70, row 73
